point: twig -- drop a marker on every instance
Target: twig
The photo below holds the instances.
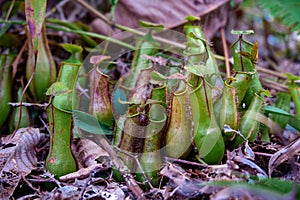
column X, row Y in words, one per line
column 274, row 85
column 225, row 52
column 44, row 123
column 18, row 104
column 263, row 154
column 186, row 162
column 271, row 72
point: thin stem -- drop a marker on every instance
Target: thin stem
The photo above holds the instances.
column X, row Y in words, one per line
column 18, row 104
column 219, row 57
column 186, row 162
column 95, row 35
column 60, row 28
column 94, row 11
column 19, row 22
column 225, row 52
column 21, row 100
column 10, row 9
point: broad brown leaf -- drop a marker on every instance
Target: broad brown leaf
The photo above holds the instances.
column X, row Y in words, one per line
column 168, row 13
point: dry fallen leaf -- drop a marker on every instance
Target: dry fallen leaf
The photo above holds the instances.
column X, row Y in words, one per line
column 86, row 152
column 168, row 13
column 21, row 158
column 181, row 182
column 284, row 154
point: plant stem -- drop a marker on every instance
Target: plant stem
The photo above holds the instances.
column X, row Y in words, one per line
column 225, row 52
column 60, row 28
column 95, row 35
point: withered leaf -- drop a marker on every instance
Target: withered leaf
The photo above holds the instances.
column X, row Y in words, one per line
column 20, row 159
column 284, row 154
column 86, row 152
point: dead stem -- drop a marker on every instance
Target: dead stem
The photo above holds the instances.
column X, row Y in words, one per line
column 274, row 85
column 271, row 72
column 186, row 162
column 18, row 104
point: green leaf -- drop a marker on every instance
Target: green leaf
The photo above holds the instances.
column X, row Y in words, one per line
column 270, row 188
column 295, row 123
column 89, row 123
column 72, row 48
column 287, row 11
column 292, row 77
column 192, row 18
column 265, row 92
column 198, row 70
column 277, row 111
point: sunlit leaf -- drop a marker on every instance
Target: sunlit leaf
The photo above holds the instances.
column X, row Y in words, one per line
column 277, row 111
column 292, row 77
column 192, row 18
column 294, row 122
column 72, row 48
